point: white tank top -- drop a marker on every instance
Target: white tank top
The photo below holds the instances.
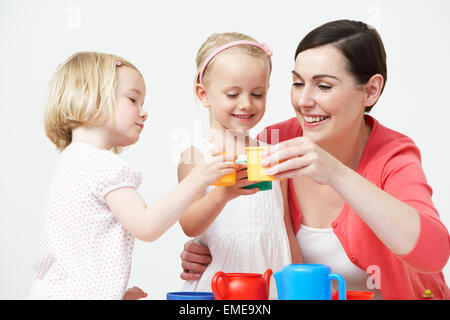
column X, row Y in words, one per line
column 321, row 245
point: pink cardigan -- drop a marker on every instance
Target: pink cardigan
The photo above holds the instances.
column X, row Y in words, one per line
column 392, row 162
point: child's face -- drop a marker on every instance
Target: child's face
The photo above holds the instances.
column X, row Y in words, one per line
column 129, row 115
column 235, row 90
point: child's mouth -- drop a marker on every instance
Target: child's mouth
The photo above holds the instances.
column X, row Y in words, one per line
column 243, row 117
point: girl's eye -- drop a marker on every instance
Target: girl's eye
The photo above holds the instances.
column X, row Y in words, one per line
column 257, row 95
column 232, row 95
column 297, row 84
column 132, row 100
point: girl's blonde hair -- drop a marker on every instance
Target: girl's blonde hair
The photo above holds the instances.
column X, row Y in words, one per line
column 82, row 92
column 217, row 40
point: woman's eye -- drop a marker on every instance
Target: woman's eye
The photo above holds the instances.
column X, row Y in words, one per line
column 257, row 95
column 232, row 95
column 132, row 100
column 297, row 84
column 324, row 87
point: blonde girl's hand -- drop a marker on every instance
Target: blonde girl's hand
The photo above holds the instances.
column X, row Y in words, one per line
column 213, row 166
column 302, row 157
column 134, row 293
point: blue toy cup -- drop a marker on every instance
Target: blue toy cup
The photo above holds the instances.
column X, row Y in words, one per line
column 190, row 295
column 307, row 282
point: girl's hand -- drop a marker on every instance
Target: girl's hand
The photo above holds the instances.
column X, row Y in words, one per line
column 237, row 189
column 302, row 157
column 194, row 260
column 213, row 166
column 134, row 293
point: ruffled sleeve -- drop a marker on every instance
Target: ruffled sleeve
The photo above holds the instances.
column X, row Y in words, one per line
column 114, row 173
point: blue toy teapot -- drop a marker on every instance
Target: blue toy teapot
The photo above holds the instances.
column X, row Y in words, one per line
column 307, row 282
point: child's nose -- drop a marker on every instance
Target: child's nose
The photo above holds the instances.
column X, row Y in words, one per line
column 144, row 115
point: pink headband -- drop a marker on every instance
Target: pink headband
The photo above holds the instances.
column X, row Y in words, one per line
column 262, row 46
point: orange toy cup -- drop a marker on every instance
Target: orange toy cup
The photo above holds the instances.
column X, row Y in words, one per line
column 226, row 180
column 356, row 295
column 254, row 169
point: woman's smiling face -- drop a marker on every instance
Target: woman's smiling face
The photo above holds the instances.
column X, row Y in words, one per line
column 327, row 100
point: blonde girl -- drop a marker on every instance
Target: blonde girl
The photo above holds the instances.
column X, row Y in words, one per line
column 248, row 233
column 93, row 212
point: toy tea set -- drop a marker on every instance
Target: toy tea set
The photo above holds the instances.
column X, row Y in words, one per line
column 294, row 282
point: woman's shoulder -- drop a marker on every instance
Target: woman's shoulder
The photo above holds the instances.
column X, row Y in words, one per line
column 281, row 131
column 385, row 145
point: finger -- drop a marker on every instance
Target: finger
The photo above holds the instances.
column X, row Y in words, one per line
column 193, row 267
column 288, row 165
column 195, row 258
column 244, row 183
column 247, row 192
column 225, row 166
column 291, row 174
column 241, row 166
column 194, row 247
column 284, row 154
column 216, row 151
column 283, row 145
column 229, row 156
column 190, row 276
column 240, row 175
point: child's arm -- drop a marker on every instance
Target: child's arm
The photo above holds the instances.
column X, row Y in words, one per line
column 296, row 253
column 205, row 209
column 149, row 222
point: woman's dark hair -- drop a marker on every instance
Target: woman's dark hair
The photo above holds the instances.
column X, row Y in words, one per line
column 360, row 44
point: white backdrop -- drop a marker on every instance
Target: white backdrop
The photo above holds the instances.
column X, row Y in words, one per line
column 161, row 38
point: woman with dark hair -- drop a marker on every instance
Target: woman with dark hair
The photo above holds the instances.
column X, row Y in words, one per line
column 357, row 194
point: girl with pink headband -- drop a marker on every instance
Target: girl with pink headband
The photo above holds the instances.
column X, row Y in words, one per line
column 244, row 227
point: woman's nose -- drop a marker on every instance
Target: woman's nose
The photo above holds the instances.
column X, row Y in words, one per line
column 304, row 98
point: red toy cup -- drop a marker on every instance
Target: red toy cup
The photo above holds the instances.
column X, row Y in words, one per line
column 356, row 295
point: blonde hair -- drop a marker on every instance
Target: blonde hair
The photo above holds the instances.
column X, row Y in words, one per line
column 217, row 40
column 82, row 92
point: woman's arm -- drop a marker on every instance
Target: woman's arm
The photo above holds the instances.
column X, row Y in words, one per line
column 296, row 253
column 395, row 223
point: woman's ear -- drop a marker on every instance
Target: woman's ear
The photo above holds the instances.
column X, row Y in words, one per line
column 201, row 94
column 373, row 89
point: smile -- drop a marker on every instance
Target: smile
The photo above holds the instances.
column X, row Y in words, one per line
column 243, row 117
column 314, row 120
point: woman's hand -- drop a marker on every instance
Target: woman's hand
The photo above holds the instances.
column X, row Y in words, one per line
column 194, row 260
column 300, row 156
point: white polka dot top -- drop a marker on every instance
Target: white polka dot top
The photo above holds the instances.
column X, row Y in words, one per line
column 84, row 252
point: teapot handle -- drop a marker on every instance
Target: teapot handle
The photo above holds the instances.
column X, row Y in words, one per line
column 341, row 285
column 220, row 288
column 267, row 276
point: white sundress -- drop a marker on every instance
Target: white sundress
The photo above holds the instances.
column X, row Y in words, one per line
column 248, row 236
